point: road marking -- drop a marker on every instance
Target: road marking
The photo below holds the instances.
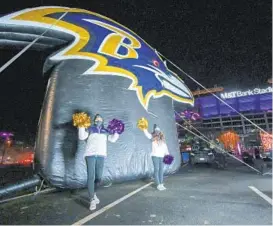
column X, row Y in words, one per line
column 258, row 192
column 111, row 205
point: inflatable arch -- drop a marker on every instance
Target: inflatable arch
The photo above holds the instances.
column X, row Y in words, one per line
column 100, row 67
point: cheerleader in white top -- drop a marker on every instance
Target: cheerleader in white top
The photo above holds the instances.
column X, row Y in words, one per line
column 95, row 153
column 159, row 150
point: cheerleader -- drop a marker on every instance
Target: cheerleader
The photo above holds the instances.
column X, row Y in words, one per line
column 159, row 150
column 95, row 153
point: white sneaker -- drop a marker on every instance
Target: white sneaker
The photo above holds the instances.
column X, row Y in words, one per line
column 96, row 199
column 163, row 187
column 93, row 204
column 159, row 187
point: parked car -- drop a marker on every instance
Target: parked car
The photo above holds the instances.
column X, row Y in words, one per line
column 201, row 154
column 267, row 156
column 260, row 161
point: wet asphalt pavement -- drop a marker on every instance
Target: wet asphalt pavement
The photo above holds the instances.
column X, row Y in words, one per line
column 195, row 195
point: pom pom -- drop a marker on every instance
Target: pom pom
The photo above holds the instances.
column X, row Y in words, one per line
column 168, row 159
column 81, row 120
column 142, row 123
column 115, row 126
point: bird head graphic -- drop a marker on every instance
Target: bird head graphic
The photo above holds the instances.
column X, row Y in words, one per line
column 114, row 49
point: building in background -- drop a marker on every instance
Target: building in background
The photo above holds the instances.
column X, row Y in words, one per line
column 217, row 118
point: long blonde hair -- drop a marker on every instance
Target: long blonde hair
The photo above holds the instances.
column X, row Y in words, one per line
column 158, row 137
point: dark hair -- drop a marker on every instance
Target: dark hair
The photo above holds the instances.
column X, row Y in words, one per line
column 155, row 126
column 96, row 116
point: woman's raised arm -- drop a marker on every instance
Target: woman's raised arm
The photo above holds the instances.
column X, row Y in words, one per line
column 83, row 134
column 147, row 134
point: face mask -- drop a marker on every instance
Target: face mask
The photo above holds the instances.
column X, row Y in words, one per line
column 98, row 123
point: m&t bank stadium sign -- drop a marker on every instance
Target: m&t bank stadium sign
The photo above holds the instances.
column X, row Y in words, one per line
column 246, row 93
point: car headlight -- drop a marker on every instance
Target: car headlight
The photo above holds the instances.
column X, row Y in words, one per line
column 192, row 154
column 210, row 153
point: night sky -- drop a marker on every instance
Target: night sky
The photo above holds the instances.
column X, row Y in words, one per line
column 227, row 43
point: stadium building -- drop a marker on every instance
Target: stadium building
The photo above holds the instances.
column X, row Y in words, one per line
column 216, row 117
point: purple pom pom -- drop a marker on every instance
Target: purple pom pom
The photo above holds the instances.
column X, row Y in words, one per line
column 115, row 126
column 168, row 159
